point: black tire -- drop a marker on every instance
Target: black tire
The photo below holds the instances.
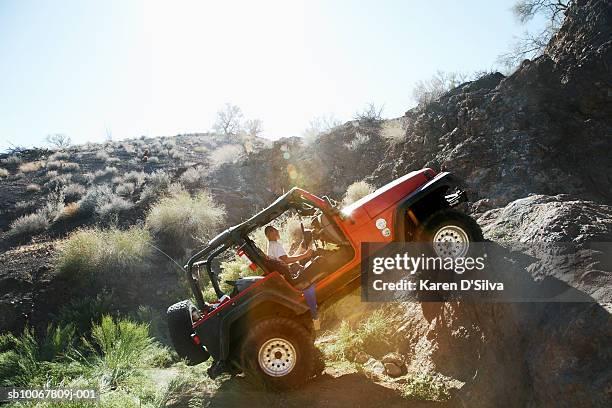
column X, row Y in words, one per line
column 290, row 332
column 425, row 234
column 179, row 321
column 444, row 218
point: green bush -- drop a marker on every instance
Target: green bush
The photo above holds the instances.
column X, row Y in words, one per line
column 425, row 387
column 179, row 222
column 119, row 348
column 368, row 336
column 28, row 361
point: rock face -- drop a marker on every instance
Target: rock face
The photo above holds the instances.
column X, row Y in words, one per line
column 551, row 229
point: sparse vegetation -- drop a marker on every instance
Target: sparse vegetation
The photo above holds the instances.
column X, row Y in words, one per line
column 54, row 165
column 369, row 334
column 226, row 154
column 157, row 185
column 4, row 173
column 179, row 222
column 30, row 224
column 112, row 204
column 125, row 189
column 229, row 120
column 425, row 387
column 30, row 166
column 59, row 140
column 371, row 113
column 61, row 155
column 393, row 131
column 532, row 44
column 360, row 139
column 12, row 160
column 356, row 191
column 69, row 166
column 32, row 188
column 427, row 91
column 192, row 177
column 320, row 125
column 69, row 211
column 94, row 255
column 73, row 191
column 102, row 155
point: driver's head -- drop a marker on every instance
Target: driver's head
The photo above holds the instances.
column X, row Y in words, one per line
column 272, row 233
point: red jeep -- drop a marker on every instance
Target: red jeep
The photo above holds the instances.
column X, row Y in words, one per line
column 264, row 327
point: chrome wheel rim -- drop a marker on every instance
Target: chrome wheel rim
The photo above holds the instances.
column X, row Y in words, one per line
column 451, row 241
column 277, row 357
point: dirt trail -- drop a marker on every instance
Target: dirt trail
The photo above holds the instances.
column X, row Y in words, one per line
column 349, row 390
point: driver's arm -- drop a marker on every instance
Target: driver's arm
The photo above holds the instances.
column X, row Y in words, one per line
column 291, row 259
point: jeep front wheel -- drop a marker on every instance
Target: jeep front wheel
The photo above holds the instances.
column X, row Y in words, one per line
column 278, row 353
column 450, row 233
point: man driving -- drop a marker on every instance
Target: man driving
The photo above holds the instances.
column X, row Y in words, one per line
column 276, row 250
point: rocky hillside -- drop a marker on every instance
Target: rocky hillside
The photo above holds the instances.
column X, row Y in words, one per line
column 534, row 151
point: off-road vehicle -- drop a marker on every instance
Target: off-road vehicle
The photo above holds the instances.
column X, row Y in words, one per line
column 264, row 326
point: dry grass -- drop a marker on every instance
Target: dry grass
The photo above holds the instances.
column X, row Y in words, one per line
column 4, row 173
column 192, row 177
column 12, row 160
column 393, row 132
column 30, row 166
column 226, row 154
column 60, row 156
column 180, row 222
column 92, row 254
column 69, row 211
column 32, row 188
column 30, row 224
column 54, row 165
column 356, row 191
column 69, row 166
column 73, row 191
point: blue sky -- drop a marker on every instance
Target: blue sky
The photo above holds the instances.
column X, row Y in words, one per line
column 161, row 68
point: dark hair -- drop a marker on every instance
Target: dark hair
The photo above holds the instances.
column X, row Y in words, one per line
column 268, row 229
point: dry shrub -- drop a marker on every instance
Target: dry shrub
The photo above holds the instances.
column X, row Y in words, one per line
column 70, row 210
column 192, row 177
column 4, row 173
column 12, row 160
column 54, row 165
column 59, row 156
column 30, row 166
column 32, row 188
column 226, row 154
column 73, row 191
column 93, row 255
column 179, row 222
column 393, row 132
column 356, row 191
column 30, row 224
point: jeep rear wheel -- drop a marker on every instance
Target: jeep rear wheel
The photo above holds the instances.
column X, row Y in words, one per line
column 278, row 353
column 179, row 321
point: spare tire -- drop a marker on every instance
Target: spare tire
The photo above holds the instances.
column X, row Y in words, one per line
column 180, row 326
